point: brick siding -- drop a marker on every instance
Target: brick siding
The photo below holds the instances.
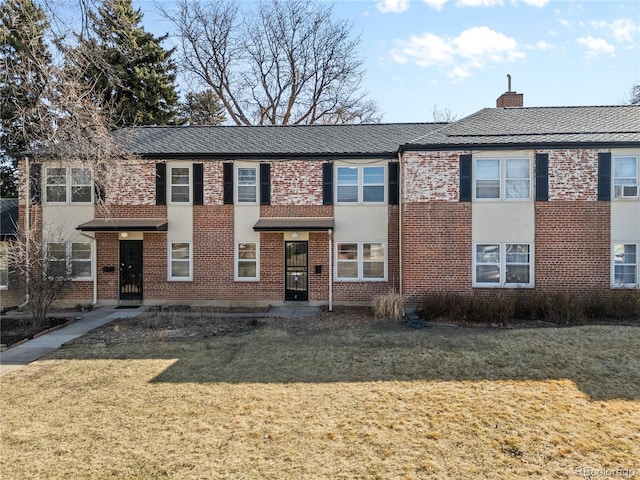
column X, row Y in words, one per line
column 572, row 248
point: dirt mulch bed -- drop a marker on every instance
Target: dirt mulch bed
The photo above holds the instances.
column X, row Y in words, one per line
column 14, row 329
column 196, row 324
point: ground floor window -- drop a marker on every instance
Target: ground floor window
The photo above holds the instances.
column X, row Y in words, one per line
column 247, row 265
column 4, row 264
column 625, row 265
column 502, row 265
column 180, row 261
column 69, row 259
column 360, row 261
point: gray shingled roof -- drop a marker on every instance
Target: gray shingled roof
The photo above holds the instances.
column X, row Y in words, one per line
column 301, row 140
column 8, row 217
column 539, row 126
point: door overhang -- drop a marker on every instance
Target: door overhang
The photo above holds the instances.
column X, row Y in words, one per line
column 128, row 224
column 291, row 224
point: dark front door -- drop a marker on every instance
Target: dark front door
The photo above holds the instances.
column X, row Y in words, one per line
column 130, row 269
column 295, row 271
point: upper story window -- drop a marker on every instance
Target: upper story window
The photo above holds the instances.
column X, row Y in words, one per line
column 360, row 184
column 503, row 179
column 180, row 185
column 625, row 177
column 68, row 185
column 247, row 185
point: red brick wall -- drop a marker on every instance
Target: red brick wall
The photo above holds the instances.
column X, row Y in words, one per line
column 572, row 248
column 436, row 248
column 107, row 248
column 296, row 182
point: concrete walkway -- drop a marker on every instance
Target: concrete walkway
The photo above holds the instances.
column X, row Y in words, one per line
column 25, row 353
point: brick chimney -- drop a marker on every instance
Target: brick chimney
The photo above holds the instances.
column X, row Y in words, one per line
column 509, row 98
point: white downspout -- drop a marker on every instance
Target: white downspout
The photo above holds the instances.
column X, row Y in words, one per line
column 94, row 261
column 400, row 197
column 27, row 226
column 330, row 270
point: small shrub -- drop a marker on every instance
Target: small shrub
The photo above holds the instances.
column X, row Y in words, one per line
column 625, row 304
column 84, row 307
column 389, row 306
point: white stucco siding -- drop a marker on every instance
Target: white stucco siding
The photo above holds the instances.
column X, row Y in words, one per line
column 361, row 223
column 503, row 222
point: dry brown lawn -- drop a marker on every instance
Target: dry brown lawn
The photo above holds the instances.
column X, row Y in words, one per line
column 376, row 401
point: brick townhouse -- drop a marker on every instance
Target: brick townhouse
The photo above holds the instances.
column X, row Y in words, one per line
column 507, row 198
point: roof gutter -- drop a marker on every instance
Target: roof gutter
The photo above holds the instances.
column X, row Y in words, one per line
column 408, row 147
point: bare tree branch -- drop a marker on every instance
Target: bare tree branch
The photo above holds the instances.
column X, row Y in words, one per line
column 288, row 62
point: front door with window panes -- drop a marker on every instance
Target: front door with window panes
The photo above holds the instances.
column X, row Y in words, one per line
column 130, row 269
column 296, row 271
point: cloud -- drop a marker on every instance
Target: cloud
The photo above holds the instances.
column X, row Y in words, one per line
column 541, row 45
column 395, row 6
column 596, row 46
column 624, row 30
column 479, row 3
column 536, row 3
column 436, row 4
column 477, row 47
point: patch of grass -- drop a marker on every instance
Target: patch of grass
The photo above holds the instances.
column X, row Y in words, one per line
column 368, row 402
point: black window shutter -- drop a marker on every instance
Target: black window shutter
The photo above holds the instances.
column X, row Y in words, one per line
column 227, row 179
column 198, row 184
column 604, row 176
column 394, row 184
column 35, row 188
column 465, row 178
column 265, row 184
column 327, row 183
column 161, row 183
column 542, row 177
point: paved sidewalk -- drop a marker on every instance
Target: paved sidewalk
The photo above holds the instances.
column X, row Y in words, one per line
column 25, row 353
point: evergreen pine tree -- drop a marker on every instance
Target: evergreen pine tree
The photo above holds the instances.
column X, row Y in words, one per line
column 134, row 75
column 202, row 108
column 24, row 68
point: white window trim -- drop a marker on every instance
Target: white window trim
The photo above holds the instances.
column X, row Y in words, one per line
column 503, row 179
column 169, row 260
column 360, row 261
column 170, row 168
column 238, row 278
column 360, row 199
column 69, row 259
column 236, row 185
column 613, row 179
column 502, row 265
column 613, row 266
column 68, row 188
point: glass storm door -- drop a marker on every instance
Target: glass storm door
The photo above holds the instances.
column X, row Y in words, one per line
column 130, row 269
column 296, row 271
